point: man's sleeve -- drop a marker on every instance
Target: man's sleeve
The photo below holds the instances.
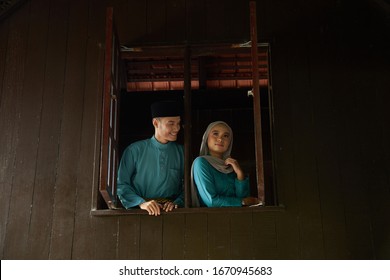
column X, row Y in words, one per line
column 125, row 190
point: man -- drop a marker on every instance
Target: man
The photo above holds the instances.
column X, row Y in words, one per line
column 151, row 171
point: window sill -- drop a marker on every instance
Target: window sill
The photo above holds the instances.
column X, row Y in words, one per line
column 125, row 212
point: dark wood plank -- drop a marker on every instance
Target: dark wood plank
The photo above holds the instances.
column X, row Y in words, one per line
column 105, row 238
column 49, row 134
column 264, row 17
column 173, row 236
column 196, row 20
column 61, row 242
column 156, row 21
column 151, row 241
column 322, row 58
column 10, row 107
column 226, row 21
column 4, row 31
column 379, row 168
column 195, row 236
column 4, row 186
column 288, row 234
column 305, row 169
column 377, row 200
column 27, row 144
column 87, row 173
column 373, row 121
column 218, row 230
column 332, row 208
column 358, row 222
column 129, row 238
column 351, row 173
column 201, row 210
column 265, row 243
column 176, row 21
column 352, row 164
column 242, row 232
column 136, row 23
column 237, row 22
column 216, row 19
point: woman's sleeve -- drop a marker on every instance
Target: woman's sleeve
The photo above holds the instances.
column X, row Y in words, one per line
column 206, row 184
column 242, row 187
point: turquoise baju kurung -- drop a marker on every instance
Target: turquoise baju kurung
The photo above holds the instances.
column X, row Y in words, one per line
column 151, row 170
column 217, row 189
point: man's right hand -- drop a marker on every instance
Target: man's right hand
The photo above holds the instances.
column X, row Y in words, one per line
column 152, row 207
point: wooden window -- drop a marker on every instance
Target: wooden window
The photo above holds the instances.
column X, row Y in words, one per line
column 110, row 114
column 214, row 82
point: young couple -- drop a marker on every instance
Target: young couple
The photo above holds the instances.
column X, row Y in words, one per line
column 151, row 171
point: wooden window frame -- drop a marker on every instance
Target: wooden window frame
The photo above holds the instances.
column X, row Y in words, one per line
column 109, row 157
column 113, row 81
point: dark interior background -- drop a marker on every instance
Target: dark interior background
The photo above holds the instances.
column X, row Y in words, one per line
column 233, row 106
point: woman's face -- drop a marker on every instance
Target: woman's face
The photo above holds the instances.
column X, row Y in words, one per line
column 218, row 140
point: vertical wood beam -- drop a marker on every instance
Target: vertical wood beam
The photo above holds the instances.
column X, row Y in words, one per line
column 256, row 104
column 187, row 126
column 106, row 109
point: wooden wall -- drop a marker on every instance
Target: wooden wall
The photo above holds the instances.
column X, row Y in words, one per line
column 330, row 66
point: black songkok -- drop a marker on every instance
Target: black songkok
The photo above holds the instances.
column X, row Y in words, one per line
column 166, row 109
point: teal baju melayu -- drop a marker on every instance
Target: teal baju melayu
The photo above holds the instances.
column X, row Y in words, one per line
column 217, row 189
column 151, row 170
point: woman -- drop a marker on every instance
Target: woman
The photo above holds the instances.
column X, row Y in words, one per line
column 217, row 179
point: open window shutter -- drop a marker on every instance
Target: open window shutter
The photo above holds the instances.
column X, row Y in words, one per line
column 256, row 104
column 111, row 97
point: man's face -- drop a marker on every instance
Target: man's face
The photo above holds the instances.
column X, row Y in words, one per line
column 166, row 128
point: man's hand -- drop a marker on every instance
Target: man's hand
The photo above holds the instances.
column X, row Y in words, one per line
column 152, row 207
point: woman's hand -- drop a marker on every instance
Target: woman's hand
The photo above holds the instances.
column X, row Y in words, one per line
column 236, row 167
column 169, row 206
column 248, row 201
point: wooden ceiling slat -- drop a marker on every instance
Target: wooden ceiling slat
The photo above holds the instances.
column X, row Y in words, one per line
column 220, row 66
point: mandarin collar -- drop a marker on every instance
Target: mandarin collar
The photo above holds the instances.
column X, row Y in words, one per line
column 159, row 145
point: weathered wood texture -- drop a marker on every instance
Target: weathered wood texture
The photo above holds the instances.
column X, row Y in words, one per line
column 330, row 70
column 13, row 67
